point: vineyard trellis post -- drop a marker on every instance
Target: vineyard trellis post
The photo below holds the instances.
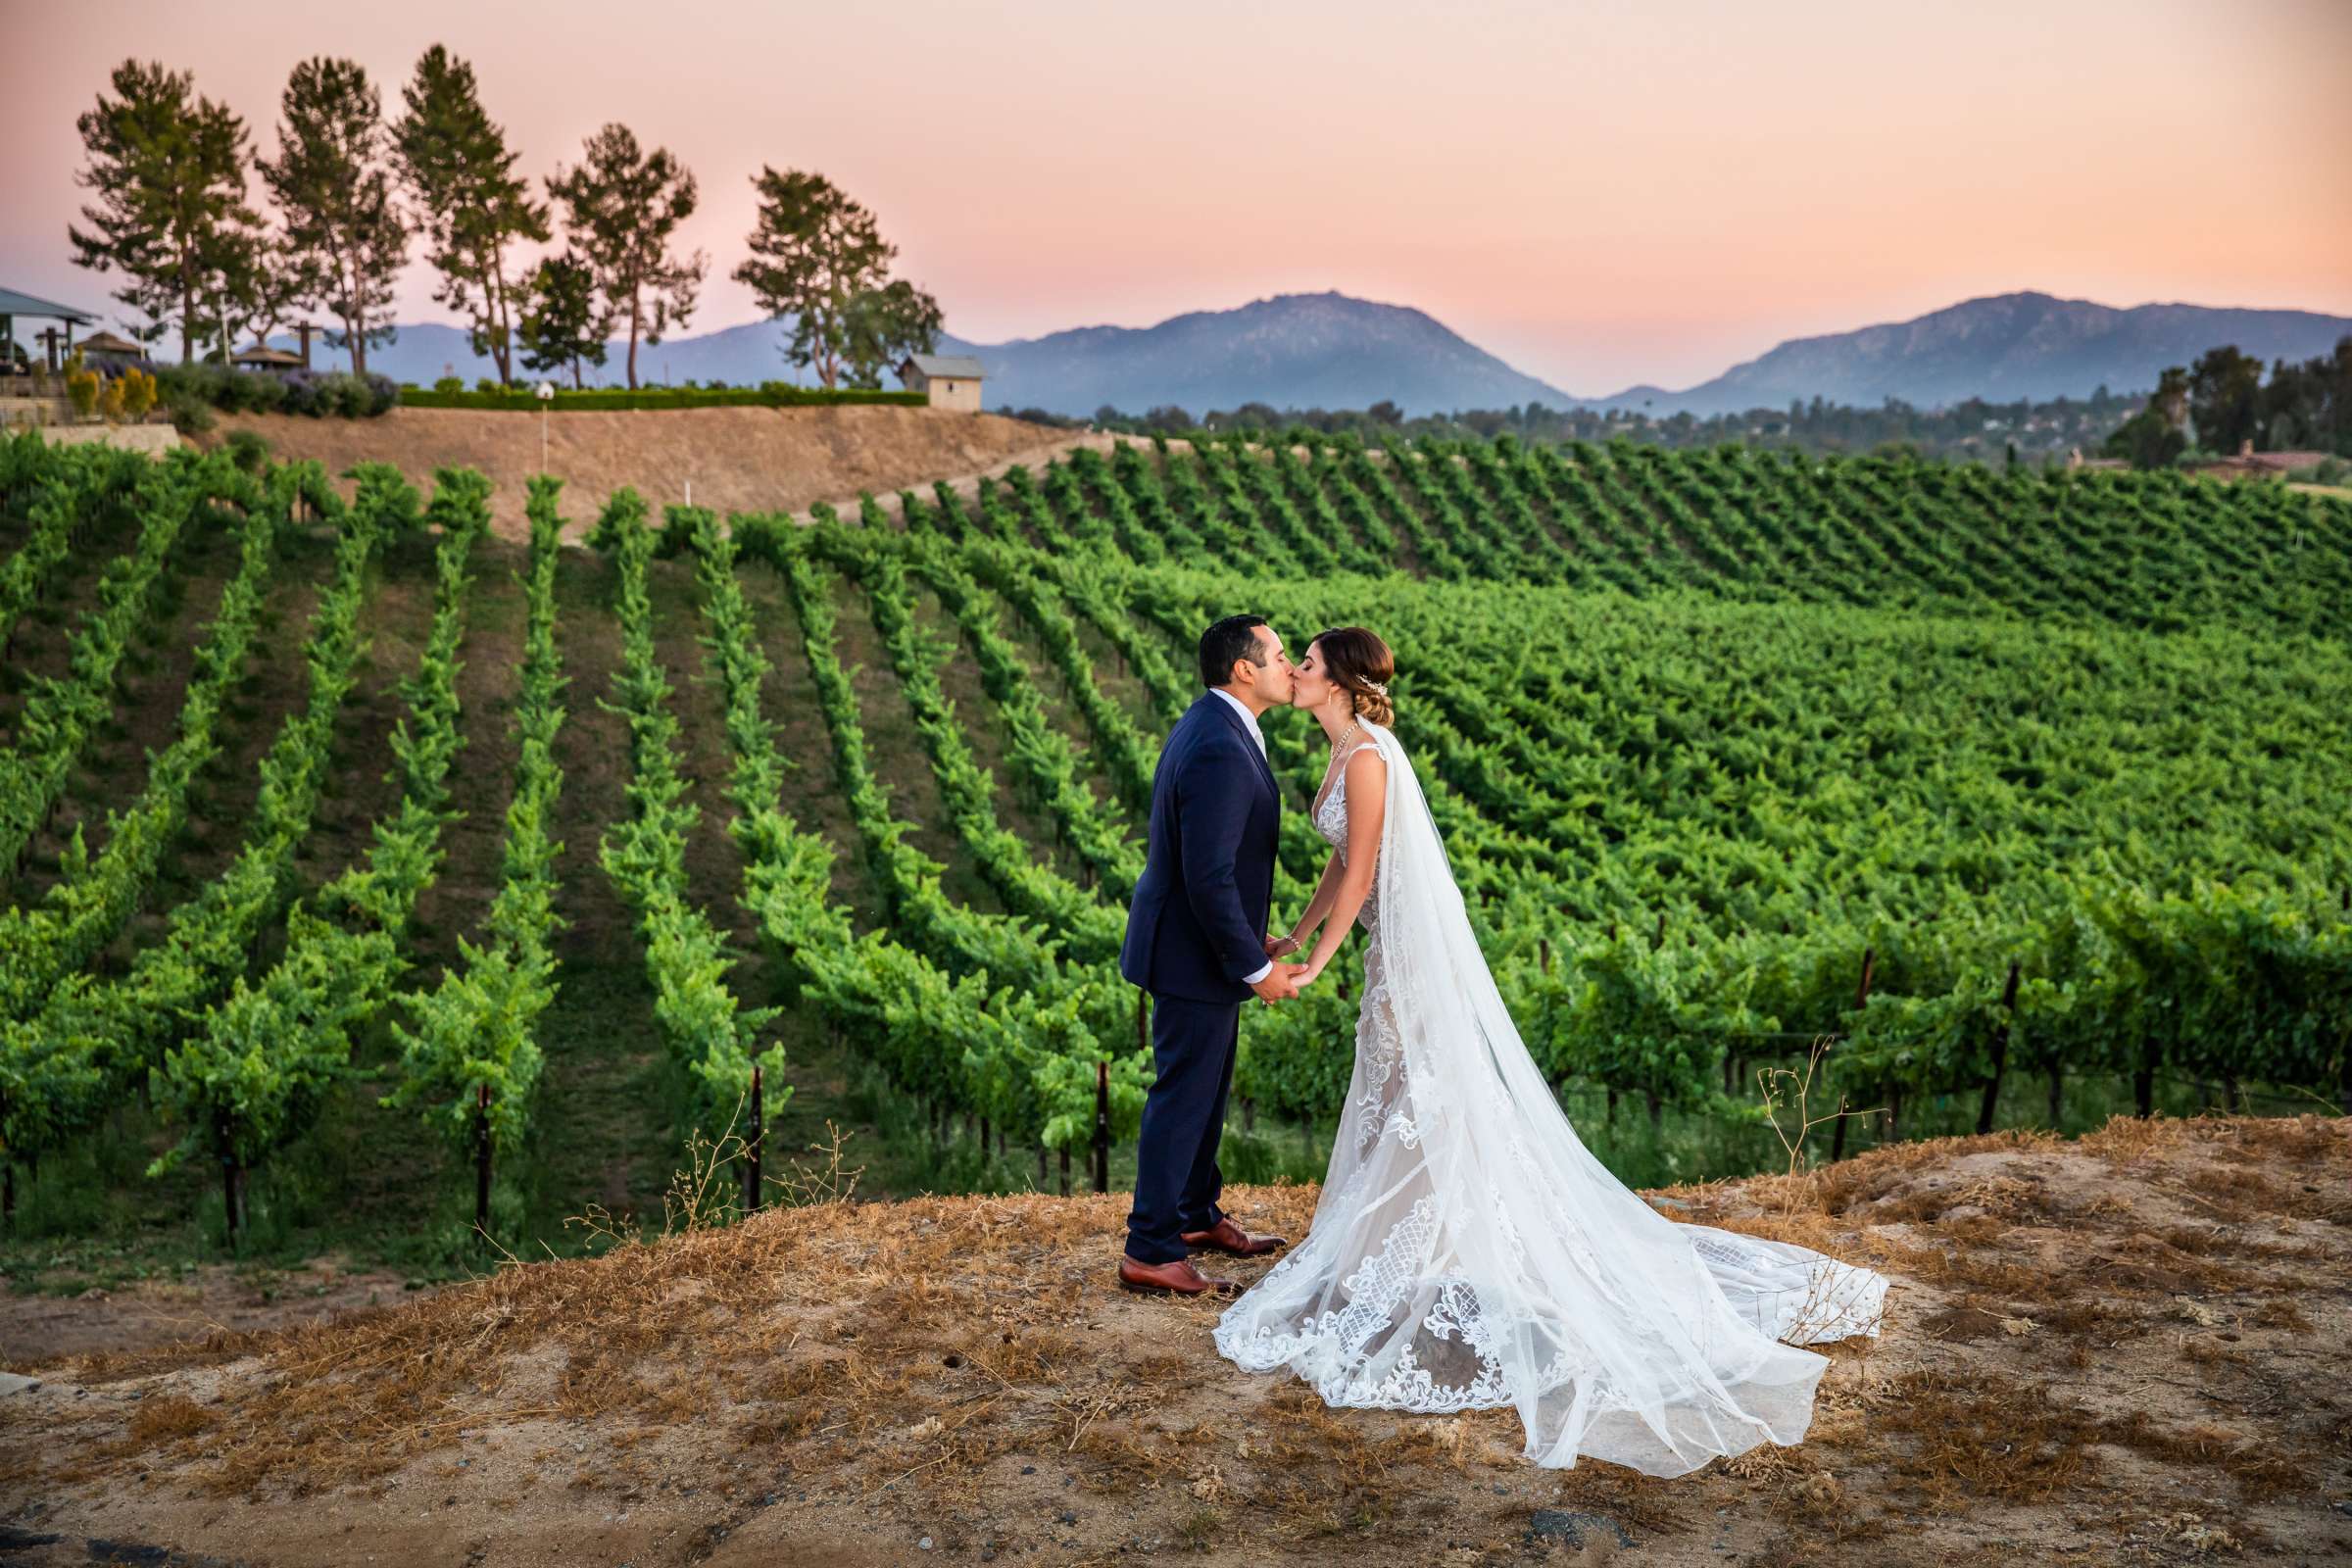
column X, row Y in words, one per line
column 1101, row 1126
column 753, row 1145
column 1870, row 958
column 481, row 1162
column 2001, row 1051
column 233, row 1175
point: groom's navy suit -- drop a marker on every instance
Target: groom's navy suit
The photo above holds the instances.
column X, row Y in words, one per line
column 1196, row 929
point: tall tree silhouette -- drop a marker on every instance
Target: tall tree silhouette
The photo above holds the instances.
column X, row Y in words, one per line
column 166, row 171
column 620, row 207
column 344, row 235
column 471, row 208
column 818, row 256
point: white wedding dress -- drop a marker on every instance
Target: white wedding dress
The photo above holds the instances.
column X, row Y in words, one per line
column 1469, row 1252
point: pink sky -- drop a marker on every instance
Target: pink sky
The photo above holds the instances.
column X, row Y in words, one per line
column 1600, row 193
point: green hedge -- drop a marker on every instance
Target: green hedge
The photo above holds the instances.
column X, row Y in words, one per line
column 523, row 401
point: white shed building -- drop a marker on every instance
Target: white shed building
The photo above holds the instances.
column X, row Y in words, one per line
column 950, row 380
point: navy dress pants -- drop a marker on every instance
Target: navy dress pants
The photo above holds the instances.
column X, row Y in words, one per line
column 1176, row 1176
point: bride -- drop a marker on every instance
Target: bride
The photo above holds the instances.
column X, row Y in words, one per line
column 1467, row 1251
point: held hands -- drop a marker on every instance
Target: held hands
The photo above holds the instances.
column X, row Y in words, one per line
column 1280, row 982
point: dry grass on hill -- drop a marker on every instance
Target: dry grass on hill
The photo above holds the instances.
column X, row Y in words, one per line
column 2128, row 1348
column 738, row 458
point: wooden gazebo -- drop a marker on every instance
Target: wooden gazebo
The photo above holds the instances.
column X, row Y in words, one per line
column 106, row 350
column 262, row 356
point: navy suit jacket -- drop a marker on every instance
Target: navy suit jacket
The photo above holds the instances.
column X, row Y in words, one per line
column 1197, row 921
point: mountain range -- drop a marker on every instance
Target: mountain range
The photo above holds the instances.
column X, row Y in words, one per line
column 1331, row 350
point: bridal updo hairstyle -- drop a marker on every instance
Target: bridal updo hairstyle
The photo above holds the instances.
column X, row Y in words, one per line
column 1357, row 661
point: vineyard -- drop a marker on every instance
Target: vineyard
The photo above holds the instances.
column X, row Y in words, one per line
column 426, row 877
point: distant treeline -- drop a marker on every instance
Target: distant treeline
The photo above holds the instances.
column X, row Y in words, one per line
column 2217, row 406
column 2196, row 413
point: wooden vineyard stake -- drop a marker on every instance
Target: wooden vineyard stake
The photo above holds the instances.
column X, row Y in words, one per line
column 755, row 1146
column 1101, row 1126
column 481, row 1160
column 233, row 1175
column 2001, row 1051
column 1870, row 958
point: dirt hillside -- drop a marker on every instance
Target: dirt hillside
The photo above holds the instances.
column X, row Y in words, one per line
column 2129, row 1349
column 740, row 460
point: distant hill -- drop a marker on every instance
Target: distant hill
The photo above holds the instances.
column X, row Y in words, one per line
column 1333, row 351
column 2002, row 347
column 427, row 351
column 1292, row 350
column 1299, row 351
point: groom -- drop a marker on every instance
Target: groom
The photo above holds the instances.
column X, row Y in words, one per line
column 1195, row 941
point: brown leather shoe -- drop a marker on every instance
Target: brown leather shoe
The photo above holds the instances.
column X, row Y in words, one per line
column 1179, row 1278
column 1227, row 1237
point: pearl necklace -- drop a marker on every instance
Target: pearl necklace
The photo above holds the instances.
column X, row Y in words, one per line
column 1336, row 745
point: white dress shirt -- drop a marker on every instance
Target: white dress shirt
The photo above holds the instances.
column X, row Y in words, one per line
column 1257, row 735
column 1247, row 718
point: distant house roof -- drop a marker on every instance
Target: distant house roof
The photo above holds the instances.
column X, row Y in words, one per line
column 261, row 353
column 2248, row 461
column 107, row 343
column 942, row 365
column 14, row 302
column 2286, row 462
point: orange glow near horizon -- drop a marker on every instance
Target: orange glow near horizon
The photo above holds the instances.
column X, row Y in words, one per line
column 1599, row 193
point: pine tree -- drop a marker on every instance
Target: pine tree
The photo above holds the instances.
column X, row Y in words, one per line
column 472, row 208
column 883, row 325
column 346, row 236
column 621, row 206
column 563, row 324
column 818, row 256
column 168, row 169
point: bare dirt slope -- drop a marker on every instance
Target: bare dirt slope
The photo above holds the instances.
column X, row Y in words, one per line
column 739, row 459
column 2125, row 1350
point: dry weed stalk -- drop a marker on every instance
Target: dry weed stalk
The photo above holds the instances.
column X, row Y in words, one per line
column 823, row 1180
column 1773, row 1086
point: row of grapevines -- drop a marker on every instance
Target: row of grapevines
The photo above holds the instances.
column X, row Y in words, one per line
column 59, row 1066
column 477, row 1030
column 1009, row 947
column 253, row 1072
column 1017, row 1045
column 1043, row 759
column 714, row 1040
column 1129, row 755
column 86, row 907
column 967, row 791
column 63, row 712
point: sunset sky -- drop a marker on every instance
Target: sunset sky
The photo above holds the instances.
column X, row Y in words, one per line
column 1600, row 193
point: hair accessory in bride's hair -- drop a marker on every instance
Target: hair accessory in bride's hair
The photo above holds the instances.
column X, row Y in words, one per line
column 1377, row 688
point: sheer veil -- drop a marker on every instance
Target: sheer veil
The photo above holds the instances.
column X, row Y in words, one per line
column 1468, row 1252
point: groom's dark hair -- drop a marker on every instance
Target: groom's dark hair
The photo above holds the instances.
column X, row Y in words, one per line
column 1233, row 638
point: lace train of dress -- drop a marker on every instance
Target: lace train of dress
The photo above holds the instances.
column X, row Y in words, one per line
column 1468, row 1252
